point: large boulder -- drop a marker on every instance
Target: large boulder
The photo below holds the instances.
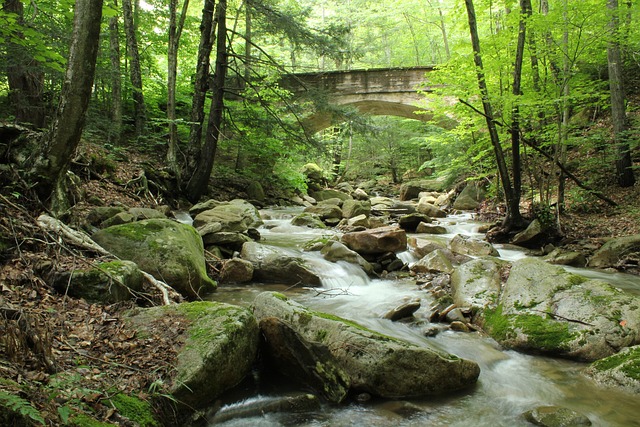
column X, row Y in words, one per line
column 429, row 209
column 616, row 251
column 106, row 282
column 236, row 270
column 544, row 308
column 410, row 222
column 478, row 283
column 216, row 349
column 352, row 208
column 314, row 176
column 322, row 195
column 421, row 247
column 470, row 197
column 325, row 211
column 437, row 261
column 234, row 216
column 337, row 356
column 376, row 241
column 466, row 245
column 556, row 416
column 169, row 250
column 411, row 190
column 277, row 265
column 622, row 370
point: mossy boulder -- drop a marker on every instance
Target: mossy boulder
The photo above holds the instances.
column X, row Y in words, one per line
column 216, row 350
column 466, row 245
column 307, row 219
column 235, row 216
column 543, row 308
column 622, row 370
column 322, row 195
column 556, row 416
column 168, row 250
column 337, row 356
column 470, row 197
column 412, row 189
column 108, row 282
column 352, row 208
column 616, row 251
column 477, row 283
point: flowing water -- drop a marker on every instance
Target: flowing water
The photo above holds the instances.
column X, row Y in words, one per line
column 510, row 383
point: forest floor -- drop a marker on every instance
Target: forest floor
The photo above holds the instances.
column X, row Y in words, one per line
column 66, row 357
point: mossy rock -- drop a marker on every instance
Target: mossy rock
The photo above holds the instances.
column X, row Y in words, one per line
column 134, row 409
column 219, row 347
column 622, row 370
column 168, row 250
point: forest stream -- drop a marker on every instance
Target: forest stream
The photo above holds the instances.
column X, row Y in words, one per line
column 510, row 383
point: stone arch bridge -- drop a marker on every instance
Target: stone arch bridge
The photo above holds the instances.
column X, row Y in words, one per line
column 381, row 91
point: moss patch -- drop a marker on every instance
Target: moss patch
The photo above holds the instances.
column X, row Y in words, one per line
column 136, row 410
column 542, row 333
column 627, row 362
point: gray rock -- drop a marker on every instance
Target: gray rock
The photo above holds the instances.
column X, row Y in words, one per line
column 530, row 235
column 422, row 247
column 430, row 229
column 235, row 216
column 622, row 370
column 325, row 211
column 107, row 282
column 335, row 251
column 166, row 249
column 236, row 270
column 276, row 265
column 255, row 191
column 470, row 197
column 307, row 219
column 403, row 311
column 359, row 221
column 216, row 350
column 427, row 208
column 336, row 355
column 614, row 252
column 360, row 194
column 412, row 189
column 437, row 261
column 544, row 308
column 469, row 246
column 102, row 213
column 352, row 208
column 477, row 283
column 261, row 405
column 559, row 257
column 411, row 221
column 329, row 194
column 556, row 416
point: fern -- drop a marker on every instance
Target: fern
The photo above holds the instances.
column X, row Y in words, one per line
column 20, row 405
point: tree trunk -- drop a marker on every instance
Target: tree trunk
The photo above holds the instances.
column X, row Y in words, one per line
column 201, row 86
column 74, row 100
column 115, row 130
column 140, row 114
column 175, row 32
column 200, row 178
column 624, row 171
column 513, row 218
column 25, row 77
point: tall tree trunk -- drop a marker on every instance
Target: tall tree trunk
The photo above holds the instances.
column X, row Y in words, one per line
column 624, row 171
column 115, row 130
column 198, row 183
column 201, row 87
column 513, row 218
column 67, row 127
column 175, row 32
column 140, row 114
column 25, row 77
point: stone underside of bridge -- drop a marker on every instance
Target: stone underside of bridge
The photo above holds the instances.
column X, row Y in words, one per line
column 390, row 92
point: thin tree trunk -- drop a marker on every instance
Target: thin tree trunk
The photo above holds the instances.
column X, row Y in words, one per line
column 74, row 100
column 624, row 171
column 140, row 114
column 175, row 32
column 24, row 75
column 115, row 130
column 200, row 178
column 201, row 86
column 513, row 217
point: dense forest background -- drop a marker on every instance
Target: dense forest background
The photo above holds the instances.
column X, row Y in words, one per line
column 170, row 79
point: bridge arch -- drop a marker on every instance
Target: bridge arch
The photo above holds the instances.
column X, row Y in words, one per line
column 388, row 91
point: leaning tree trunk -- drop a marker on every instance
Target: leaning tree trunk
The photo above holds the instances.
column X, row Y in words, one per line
column 624, row 171
column 140, row 114
column 76, row 92
column 200, row 178
column 24, row 75
column 512, row 218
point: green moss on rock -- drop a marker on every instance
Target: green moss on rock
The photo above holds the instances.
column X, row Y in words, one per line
column 136, row 410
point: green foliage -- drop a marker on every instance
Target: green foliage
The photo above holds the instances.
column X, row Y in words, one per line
column 136, row 410
column 21, row 406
